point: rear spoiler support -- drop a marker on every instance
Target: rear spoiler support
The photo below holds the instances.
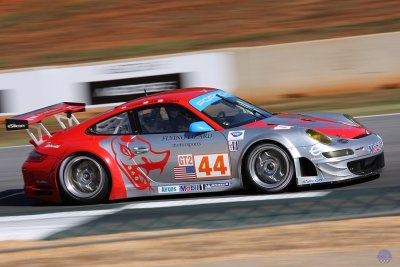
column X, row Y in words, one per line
column 70, row 118
column 38, row 138
column 32, row 121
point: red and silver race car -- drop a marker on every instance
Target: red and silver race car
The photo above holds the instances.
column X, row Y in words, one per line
column 189, row 141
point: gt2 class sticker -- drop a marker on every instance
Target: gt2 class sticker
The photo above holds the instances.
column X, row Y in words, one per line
column 202, row 166
column 185, row 160
column 235, row 135
column 212, row 165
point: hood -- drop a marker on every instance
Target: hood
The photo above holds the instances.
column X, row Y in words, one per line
column 329, row 127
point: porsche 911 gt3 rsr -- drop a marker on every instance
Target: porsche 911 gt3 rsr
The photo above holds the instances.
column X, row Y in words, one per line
column 189, row 141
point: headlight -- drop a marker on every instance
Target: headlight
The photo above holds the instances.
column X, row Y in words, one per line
column 320, row 137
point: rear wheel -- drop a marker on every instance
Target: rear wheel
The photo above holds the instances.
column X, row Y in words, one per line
column 268, row 168
column 83, row 179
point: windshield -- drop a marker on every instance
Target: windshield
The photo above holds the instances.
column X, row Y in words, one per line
column 231, row 112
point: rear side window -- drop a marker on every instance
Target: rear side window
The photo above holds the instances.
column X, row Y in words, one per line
column 116, row 125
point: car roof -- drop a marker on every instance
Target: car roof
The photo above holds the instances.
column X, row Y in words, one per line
column 177, row 95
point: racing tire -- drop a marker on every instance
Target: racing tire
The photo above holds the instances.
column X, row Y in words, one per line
column 83, row 179
column 268, row 168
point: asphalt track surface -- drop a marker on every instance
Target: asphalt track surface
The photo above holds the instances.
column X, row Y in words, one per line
column 13, row 201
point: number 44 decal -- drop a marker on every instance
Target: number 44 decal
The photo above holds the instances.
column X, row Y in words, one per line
column 212, row 165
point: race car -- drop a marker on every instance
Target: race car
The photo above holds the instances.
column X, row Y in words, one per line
column 190, row 141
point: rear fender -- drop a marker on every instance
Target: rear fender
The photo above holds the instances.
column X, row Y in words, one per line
column 118, row 190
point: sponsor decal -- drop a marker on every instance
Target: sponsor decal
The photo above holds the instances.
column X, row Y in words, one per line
column 192, row 187
column 214, row 185
column 375, row 148
column 233, row 145
column 52, row 146
column 315, row 151
column 201, row 102
column 16, row 126
column 186, row 144
column 282, row 127
column 236, row 135
column 184, row 137
column 313, row 180
column 168, row 189
column 135, row 166
column 343, row 141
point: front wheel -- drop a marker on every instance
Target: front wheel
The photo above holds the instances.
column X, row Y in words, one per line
column 83, row 179
column 268, row 168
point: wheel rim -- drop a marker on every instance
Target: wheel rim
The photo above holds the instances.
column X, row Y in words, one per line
column 84, row 177
column 270, row 167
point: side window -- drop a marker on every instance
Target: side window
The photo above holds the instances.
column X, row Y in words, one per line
column 165, row 119
column 116, row 125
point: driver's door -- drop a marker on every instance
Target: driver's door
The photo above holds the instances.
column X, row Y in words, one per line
column 169, row 154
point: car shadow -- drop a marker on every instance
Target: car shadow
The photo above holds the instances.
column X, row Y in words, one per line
column 16, row 197
column 335, row 185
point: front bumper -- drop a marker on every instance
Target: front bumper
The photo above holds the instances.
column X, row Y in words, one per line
column 40, row 179
column 367, row 160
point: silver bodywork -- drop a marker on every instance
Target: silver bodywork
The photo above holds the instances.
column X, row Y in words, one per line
column 160, row 156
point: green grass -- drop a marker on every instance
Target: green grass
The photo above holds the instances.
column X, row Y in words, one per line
column 355, row 104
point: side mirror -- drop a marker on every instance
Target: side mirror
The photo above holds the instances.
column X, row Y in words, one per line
column 200, row 127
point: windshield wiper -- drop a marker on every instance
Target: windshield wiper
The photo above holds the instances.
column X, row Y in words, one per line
column 252, row 110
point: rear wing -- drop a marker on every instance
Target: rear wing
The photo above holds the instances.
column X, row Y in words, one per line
column 33, row 120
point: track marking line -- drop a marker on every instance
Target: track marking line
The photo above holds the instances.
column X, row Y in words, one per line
column 194, row 202
column 380, row 115
column 40, row 226
column 4, row 147
column 15, row 194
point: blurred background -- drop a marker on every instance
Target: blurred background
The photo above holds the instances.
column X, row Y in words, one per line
column 302, row 55
column 282, row 55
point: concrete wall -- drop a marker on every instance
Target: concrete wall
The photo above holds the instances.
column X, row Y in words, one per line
column 323, row 66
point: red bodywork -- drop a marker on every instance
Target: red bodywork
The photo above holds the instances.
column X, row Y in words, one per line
column 73, row 140
column 41, row 178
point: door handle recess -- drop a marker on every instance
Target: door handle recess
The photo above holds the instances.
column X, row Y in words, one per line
column 140, row 150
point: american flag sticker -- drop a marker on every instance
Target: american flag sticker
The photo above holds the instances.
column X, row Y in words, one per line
column 233, row 145
column 184, row 172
